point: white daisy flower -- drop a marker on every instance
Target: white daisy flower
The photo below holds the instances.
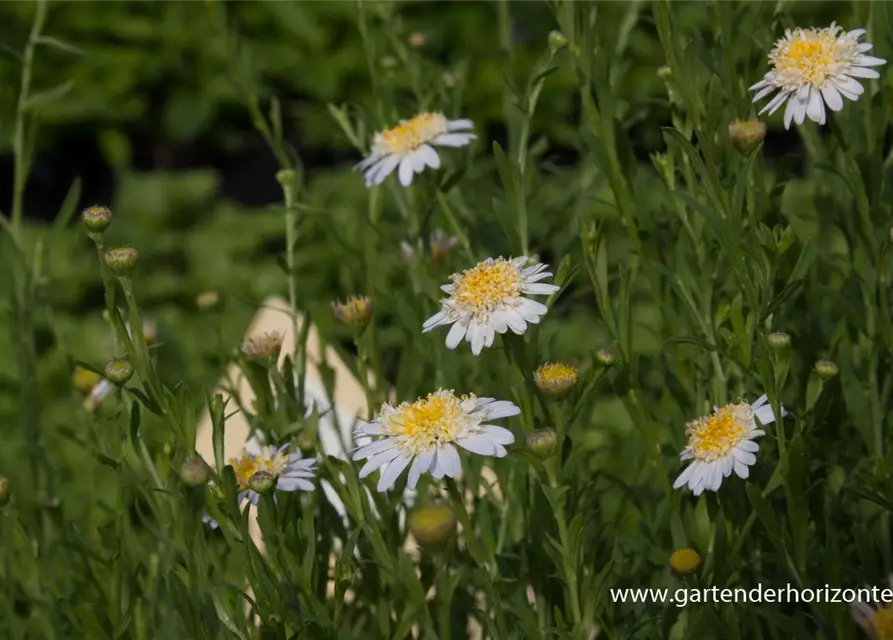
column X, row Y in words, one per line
column 409, row 147
column 723, row 442
column 292, row 473
column 877, row 623
column 489, row 299
column 815, row 67
column 424, row 432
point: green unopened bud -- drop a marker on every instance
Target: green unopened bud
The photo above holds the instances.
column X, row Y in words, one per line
column 355, row 312
column 685, row 561
column 195, row 472
column 543, row 442
column 305, row 443
column 605, row 357
column 119, row 370
column 121, row 261
column 4, row 490
column 262, row 482
column 432, row 525
column 825, row 369
column 97, row 219
column 779, row 341
column 286, row 177
column 746, row 135
column 665, row 73
column 557, row 41
column 556, row 378
column 207, row 301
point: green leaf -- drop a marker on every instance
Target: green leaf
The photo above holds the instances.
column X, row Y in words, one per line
column 49, row 95
column 61, row 45
column 67, row 210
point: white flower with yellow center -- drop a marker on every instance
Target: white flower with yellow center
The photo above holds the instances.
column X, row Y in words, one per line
column 410, row 146
column 291, row 472
column 424, row 433
column 489, row 299
column 877, row 623
column 723, row 442
column 815, row 67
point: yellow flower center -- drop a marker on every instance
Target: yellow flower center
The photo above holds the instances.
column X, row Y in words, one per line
column 487, row 285
column 713, row 437
column 357, row 310
column 245, row 466
column 811, row 55
column 882, row 623
column 555, row 377
column 428, row 422
column 685, row 560
column 412, row 134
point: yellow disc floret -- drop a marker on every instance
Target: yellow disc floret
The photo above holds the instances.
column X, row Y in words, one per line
column 269, row 459
column 409, row 135
column 428, row 422
column 483, row 287
column 714, row 436
column 556, row 378
column 809, row 56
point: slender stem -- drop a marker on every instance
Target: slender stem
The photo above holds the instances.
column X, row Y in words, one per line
column 286, row 178
column 570, row 571
column 119, row 527
column 18, row 142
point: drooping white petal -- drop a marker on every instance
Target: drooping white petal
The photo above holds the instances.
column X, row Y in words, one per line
column 420, row 465
column 429, row 156
column 457, row 332
column 453, row 139
column 502, row 409
column 405, row 172
column 393, row 471
column 832, row 97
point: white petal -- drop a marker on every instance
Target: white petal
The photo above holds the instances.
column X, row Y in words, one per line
column 869, row 61
column 293, row 484
column 479, row 444
column 536, row 277
column 369, row 450
column 406, row 171
column 454, row 337
column 856, row 33
column 745, row 457
column 456, row 125
column 476, row 336
column 540, row 289
column 773, row 105
column 489, row 335
column 865, row 46
column 371, row 429
column 499, row 435
column 741, row 470
column 862, row 72
column 531, row 309
column 377, row 174
column 439, row 318
column 420, row 465
column 759, row 85
column 801, row 103
column 789, row 113
column 429, row 156
column 685, row 476
column 418, row 160
column 499, row 320
column 502, row 409
column 848, row 85
column 749, row 445
column 765, row 414
column 378, row 460
column 453, row 139
column 759, row 402
column 537, row 268
column 815, row 108
column 765, row 91
column 832, row 97
column 515, row 322
column 448, row 459
column 390, row 475
column 446, row 288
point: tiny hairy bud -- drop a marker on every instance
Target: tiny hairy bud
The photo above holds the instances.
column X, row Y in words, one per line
column 195, row 472
column 432, row 525
column 543, row 442
column 557, row 41
column 825, row 369
column 121, row 261
column 605, row 357
column 746, row 135
column 262, row 482
column 119, row 370
column 779, row 341
column 97, row 219
column 685, row 561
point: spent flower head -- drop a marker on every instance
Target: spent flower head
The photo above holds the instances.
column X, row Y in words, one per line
column 723, row 442
column 289, row 471
column 556, row 378
column 264, row 348
column 356, row 311
column 490, row 298
column 409, row 147
column 424, row 433
column 812, row 68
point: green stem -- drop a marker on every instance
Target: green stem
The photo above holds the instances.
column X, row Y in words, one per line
column 117, row 614
column 286, row 179
column 570, row 571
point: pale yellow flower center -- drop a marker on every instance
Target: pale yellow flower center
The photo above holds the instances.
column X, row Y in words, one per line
column 484, row 287
column 246, row 465
column 882, row 623
column 556, row 376
column 412, row 134
column 685, row 560
column 810, row 56
column 714, row 436
column 426, row 423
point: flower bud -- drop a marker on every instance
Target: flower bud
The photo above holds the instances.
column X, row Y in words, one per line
column 605, row 357
column 557, row 41
column 286, row 177
column 543, row 442
column 195, row 472
column 4, row 490
column 442, row 245
column 746, row 135
column 556, row 378
column 262, row 482
column 665, row 73
column 119, row 370
column 356, row 312
column 305, row 443
column 432, row 525
column 409, row 252
column 825, row 369
column 685, row 561
column 85, row 381
column 207, row 301
column 97, row 219
column 779, row 341
column 121, row 261
column 264, row 348
column 417, row 39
